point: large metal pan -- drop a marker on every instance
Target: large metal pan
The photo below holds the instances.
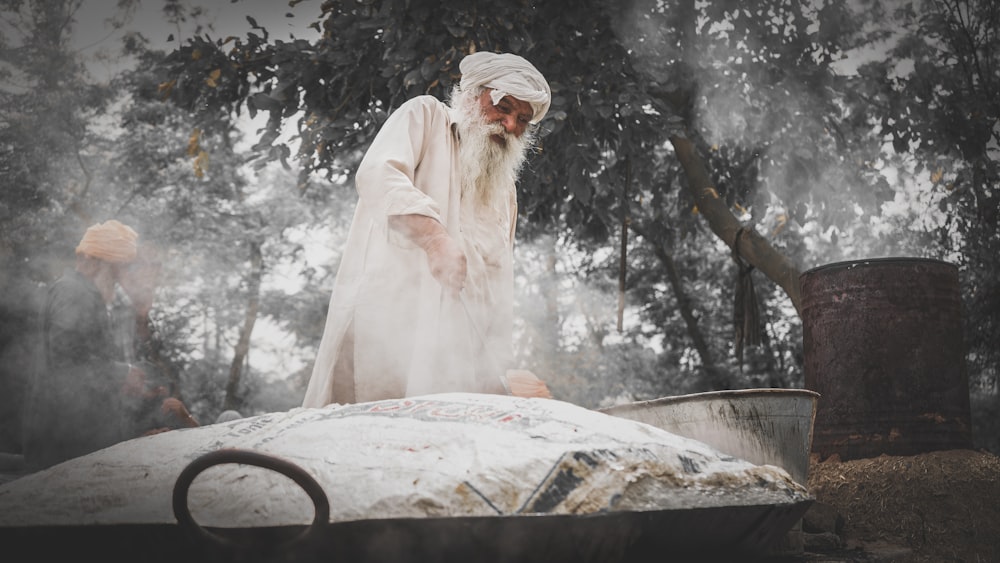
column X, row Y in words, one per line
column 517, row 480
column 736, row 533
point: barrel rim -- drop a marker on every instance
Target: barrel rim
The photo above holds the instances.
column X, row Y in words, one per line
column 881, row 260
column 724, row 394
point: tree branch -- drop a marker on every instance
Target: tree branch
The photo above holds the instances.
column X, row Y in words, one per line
column 751, row 246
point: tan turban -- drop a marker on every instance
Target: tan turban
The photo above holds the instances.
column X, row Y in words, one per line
column 110, row 241
column 507, row 75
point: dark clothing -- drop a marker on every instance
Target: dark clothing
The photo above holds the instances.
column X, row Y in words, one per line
column 143, row 414
column 75, row 402
column 139, row 346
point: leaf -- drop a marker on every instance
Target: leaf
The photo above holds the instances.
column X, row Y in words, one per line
column 580, row 189
column 412, row 78
column 429, row 69
column 780, row 221
column 455, row 30
column 200, row 164
column 937, row 175
column 263, row 101
column 194, row 142
column 213, row 78
column 165, row 88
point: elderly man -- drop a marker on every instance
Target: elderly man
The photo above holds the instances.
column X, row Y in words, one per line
column 423, row 300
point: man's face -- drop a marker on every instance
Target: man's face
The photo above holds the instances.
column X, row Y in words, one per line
column 139, row 280
column 494, row 143
column 512, row 114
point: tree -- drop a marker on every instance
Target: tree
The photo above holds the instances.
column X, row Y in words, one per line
column 224, row 231
column 67, row 163
column 52, row 185
column 666, row 118
column 598, row 96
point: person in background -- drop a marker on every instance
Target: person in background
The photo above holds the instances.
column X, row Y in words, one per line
column 423, row 299
column 82, row 385
column 77, row 390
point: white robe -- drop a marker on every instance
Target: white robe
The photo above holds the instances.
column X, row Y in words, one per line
column 390, row 324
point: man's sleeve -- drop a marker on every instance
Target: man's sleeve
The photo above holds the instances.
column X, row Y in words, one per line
column 385, row 178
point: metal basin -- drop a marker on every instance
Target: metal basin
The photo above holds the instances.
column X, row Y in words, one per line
column 762, row 426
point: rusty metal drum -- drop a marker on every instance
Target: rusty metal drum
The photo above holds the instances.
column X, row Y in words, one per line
column 883, row 346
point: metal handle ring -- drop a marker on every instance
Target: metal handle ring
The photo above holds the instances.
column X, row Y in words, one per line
column 246, row 457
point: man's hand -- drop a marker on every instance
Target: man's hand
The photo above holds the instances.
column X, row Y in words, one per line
column 444, row 255
column 523, row 383
column 447, row 262
column 174, row 406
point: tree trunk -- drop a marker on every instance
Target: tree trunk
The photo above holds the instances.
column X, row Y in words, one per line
column 232, row 402
column 713, row 378
column 623, row 258
column 751, row 246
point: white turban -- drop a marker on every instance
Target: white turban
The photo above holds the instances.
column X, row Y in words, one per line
column 110, row 241
column 507, row 75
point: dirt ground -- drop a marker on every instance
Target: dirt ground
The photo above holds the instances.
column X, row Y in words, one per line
column 933, row 507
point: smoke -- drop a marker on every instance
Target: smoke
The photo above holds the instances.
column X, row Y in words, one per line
column 820, row 178
column 565, row 327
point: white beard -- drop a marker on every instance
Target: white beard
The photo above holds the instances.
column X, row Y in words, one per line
column 489, row 169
